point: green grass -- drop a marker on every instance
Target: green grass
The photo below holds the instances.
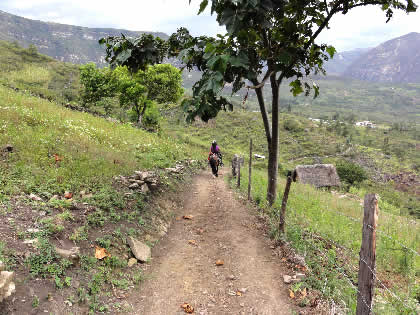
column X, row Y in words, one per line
column 313, row 213
column 28, row 70
column 93, row 150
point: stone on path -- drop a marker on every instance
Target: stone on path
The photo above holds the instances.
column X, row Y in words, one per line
column 287, row 279
column 7, row 287
column 132, row 262
column 140, row 250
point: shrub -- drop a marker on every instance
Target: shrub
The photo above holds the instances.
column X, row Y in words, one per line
column 292, row 125
column 350, row 172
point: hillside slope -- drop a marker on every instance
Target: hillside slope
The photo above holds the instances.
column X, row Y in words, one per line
column 397, row 61
column 67, row 43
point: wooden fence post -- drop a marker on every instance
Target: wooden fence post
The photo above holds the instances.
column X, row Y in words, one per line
column 250, row 169
column 367, row 256
column 284, row 202
column 239, row 175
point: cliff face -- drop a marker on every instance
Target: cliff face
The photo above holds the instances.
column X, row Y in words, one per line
column 68, row 43
column 397, row 60
column 342, row 60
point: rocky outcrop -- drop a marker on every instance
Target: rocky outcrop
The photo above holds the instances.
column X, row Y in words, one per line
column 147, row 181
column 396, row 61
column 67, row 43
column 7, row 286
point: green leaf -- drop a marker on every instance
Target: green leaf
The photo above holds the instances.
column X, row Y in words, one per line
column 203, row 5
column 296, row 87
column 331, row 51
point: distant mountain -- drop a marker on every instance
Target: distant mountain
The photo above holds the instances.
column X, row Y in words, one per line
column 396, row 61
column 343, row 60
column 69, row 43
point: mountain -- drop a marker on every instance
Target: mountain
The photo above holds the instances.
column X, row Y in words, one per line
column 396, row 61
column 68, row 43
column 343, row 60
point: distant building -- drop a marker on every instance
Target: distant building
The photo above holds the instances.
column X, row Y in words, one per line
column 365, row 123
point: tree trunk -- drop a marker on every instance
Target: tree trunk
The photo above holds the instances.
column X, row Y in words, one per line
column 141, row 115
column 273, row 149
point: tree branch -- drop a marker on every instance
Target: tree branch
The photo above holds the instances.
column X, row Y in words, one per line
column 263, row 111
column 260, row 85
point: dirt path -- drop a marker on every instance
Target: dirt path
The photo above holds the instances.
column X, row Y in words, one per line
column 222, row 228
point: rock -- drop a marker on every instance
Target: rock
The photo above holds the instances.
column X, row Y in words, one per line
column 132, row 262
column 231, row 277
column 7, row 287
column 134, row 186
column 70, row 254
column 31, row 242
column 300, row 276
column 287, row 279
column 145, row 189
column 34, row 197
column 32, row 230
column 140, row 250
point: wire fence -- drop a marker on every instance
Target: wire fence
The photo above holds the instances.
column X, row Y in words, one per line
column 302, row 218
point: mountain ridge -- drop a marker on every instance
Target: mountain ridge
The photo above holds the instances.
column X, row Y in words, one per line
column 396, row 60
column 80, row 45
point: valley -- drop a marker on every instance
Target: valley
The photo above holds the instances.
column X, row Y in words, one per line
column 82, row 180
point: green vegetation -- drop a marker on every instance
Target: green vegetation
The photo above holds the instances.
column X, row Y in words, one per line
column 137, row 92
column 27, row 70
column 327, row 232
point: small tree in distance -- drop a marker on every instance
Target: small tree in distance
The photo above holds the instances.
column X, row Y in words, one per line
column 266, row 42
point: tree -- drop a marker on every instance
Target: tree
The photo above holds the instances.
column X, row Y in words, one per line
column 135, row 90
column 97, row 83
column 266, row 40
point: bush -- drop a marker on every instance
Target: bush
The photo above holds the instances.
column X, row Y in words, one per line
column 292, row 125
column 350, row 172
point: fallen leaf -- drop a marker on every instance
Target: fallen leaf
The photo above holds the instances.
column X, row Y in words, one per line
column 238, row 293
column 192, row 242
column 101, row 253
column 187, row 217
column 219, row 262
column 283, row 259
column 291, row 294
column 200, row 231
column 303, row 292
column 68, row 195
column 187, row 308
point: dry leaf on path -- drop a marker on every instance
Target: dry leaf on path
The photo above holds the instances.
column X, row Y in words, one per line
column 187, row 308
column 303, row 292
column 101, row 253
column 291, row 294
column 192, row 242
column 187, row 217
column 219, row 262
column 238, row 293
column 68, row 195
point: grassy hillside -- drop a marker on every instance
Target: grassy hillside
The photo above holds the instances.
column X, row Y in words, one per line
column 91, row 151
column 26, row 69
column 382, row 102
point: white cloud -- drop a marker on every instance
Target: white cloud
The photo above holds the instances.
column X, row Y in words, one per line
column 363, row 27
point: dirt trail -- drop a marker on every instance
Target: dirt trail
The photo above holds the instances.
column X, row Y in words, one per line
column 222, row 228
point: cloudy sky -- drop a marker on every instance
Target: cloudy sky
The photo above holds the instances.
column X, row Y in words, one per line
column 364, row 27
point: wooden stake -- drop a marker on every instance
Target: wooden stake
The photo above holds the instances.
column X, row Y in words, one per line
column 250, row 169
column 239, row 175
column 284, row 203
column 367, row 256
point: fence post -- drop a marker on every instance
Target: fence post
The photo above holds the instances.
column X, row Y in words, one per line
column 250, row 169
column 367, row 256
column 239, row 175
column 284, row 202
